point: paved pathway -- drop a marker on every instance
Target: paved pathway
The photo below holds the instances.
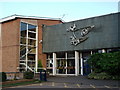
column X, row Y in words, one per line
column 62, row 85
column 83, row 80
column 74, row 82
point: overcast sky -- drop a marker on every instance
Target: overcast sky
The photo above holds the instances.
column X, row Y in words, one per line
column 68, row 11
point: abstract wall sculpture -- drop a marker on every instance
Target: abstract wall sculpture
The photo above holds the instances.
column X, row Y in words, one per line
column 83, row 32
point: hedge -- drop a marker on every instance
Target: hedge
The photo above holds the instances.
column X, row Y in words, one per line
column 28, row 75
column 106, row 62
column 3, row 76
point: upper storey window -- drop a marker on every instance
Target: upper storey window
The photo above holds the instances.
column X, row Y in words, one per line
column 23, row 26
column 31, row 27
column 28, row 33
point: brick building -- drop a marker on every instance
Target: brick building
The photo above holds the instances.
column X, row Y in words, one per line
column 66, row 47
column 21, row 42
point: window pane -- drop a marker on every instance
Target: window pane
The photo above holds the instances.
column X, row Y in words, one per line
column 31, row 35
column 71, row 54
column 23, row 40
column 31, row 27
column 31, row 42
column 71, row 71
column 70, row 62
column 31, row 56
column 60, row 55
column 23, row 33
column 31, row 50
column 22, row 52
column 23, row 26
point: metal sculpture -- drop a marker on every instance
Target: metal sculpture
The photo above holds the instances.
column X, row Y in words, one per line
column 83, row 31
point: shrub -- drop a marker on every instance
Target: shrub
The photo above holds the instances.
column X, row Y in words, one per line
column 91, row 75
column 105, row 65
column 40, row 64
column 106, row 62
column 94, row 62
column 102, row 76
column 28, row 75
column 3, row 76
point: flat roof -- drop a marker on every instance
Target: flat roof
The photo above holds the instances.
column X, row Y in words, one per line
column 12, row 17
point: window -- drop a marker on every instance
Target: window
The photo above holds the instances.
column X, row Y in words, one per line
column 28, row 47
column 23, row 26
column 31, row 27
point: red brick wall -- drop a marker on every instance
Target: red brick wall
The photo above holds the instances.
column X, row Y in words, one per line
column 10, row 45
column 10, row 42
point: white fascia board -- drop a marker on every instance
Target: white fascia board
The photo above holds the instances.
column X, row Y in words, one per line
column 33, row 17
column 28, row 17
column 7, row 18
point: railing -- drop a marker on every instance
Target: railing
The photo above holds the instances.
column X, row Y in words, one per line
column 27, row 53
column 32, row 69
column 27, row 67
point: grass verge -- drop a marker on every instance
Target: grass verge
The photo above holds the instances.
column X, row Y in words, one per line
column 20, row 83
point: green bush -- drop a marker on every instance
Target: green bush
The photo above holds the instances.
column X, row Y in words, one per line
column 39, row 64
column 102, row 76
column 106, row 62
column 28, row 75
column 94, row 62
column 3, row 76
column 91, row 75
column 116, row 77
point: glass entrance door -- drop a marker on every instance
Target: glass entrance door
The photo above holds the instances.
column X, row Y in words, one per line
column 65, row 66
column 70, row 66
column 65, row 63
column 61, row 66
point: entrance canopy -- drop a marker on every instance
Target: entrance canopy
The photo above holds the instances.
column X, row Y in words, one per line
column 86, row 34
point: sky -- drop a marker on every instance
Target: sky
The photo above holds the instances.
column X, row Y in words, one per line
column 66, row 10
